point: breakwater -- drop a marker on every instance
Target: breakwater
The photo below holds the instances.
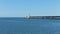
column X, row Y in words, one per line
column 44, row 17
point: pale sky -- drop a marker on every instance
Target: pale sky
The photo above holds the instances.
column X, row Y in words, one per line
column 20, row 8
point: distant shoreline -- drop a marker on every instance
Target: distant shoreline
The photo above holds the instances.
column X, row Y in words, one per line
column 38, row 17
column 44, row 17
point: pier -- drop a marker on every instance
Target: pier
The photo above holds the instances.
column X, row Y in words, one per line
column 44, row 17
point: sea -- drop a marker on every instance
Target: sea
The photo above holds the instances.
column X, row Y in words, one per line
column 17, row 25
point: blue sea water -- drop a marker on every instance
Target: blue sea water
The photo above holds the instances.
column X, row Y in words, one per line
column 29, row 26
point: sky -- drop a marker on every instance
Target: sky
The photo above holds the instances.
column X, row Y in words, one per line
column 21, row 8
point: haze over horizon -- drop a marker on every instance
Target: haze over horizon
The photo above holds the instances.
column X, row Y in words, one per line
column 21, row 8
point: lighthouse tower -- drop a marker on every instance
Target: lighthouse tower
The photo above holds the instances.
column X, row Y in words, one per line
column 28, row 16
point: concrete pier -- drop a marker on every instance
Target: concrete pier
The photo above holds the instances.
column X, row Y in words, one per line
column 45, row 17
